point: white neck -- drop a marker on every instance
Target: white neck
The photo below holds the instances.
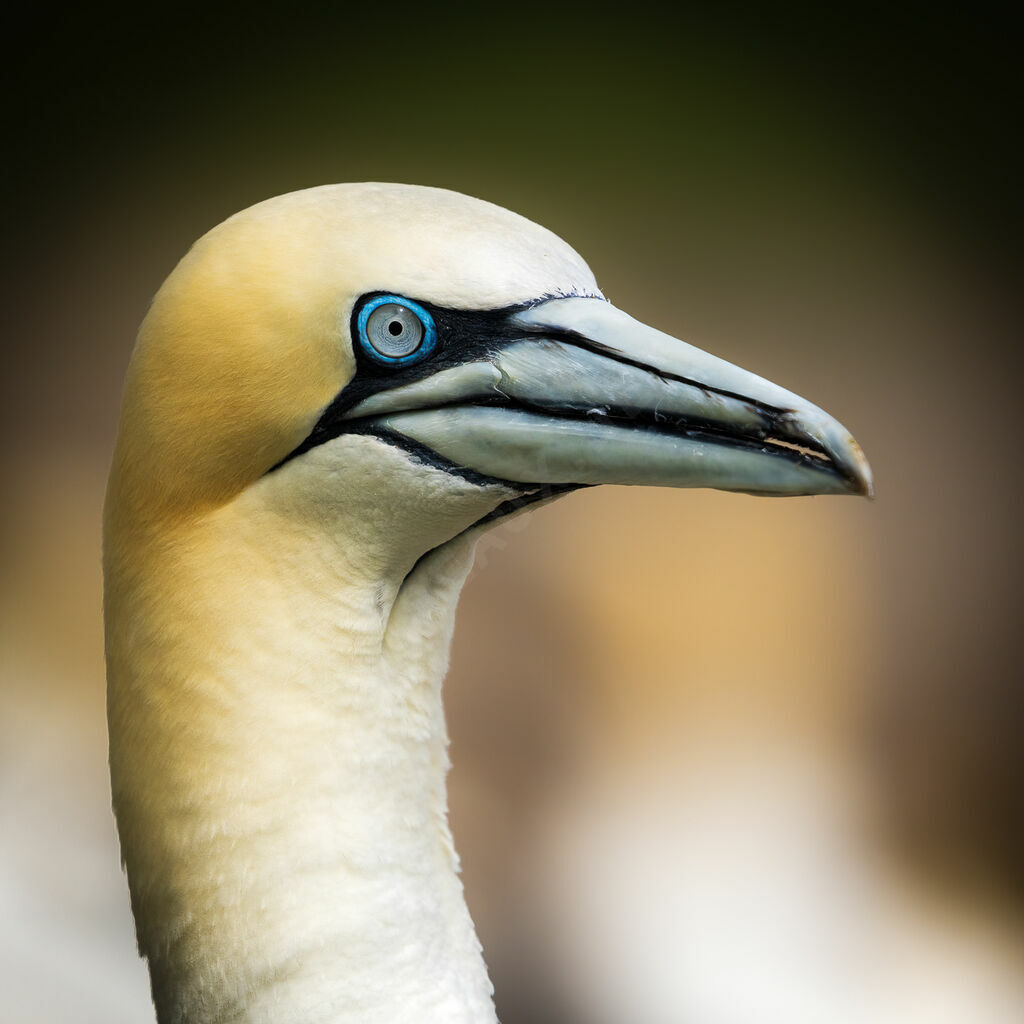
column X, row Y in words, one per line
column 278, row 756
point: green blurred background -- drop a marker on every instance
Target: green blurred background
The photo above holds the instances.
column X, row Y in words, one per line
column 717, row 759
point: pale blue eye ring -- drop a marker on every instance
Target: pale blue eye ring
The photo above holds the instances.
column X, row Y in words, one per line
column 395, row 331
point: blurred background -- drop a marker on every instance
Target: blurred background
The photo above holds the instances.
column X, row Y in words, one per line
column 718, row 759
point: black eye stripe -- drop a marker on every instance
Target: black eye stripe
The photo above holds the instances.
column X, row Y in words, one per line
column 462, row 336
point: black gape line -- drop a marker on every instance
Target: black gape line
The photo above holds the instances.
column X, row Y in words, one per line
column 421, row 453
column 465, row 336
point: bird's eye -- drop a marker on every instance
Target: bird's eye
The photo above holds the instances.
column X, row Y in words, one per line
column 394, row 330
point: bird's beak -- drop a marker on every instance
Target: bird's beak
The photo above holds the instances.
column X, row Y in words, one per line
column 581, row 393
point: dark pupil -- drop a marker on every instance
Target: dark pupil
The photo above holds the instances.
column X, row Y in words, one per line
column 395, row 328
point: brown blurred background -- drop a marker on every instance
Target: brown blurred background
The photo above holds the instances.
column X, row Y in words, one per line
column 717, row 759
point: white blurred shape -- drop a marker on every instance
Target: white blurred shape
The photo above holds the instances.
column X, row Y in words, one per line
column 737, row 888
column 67, row 948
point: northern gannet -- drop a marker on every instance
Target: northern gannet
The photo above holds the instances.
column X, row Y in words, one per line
column 331, row 396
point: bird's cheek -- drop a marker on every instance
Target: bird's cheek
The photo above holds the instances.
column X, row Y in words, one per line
column 365, row 497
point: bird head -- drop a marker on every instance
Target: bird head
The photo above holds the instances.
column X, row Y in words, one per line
column 414, row 362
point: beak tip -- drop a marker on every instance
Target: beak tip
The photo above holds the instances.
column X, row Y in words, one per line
column 862, row 475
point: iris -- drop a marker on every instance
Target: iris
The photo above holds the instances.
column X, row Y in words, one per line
column 395, row 331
